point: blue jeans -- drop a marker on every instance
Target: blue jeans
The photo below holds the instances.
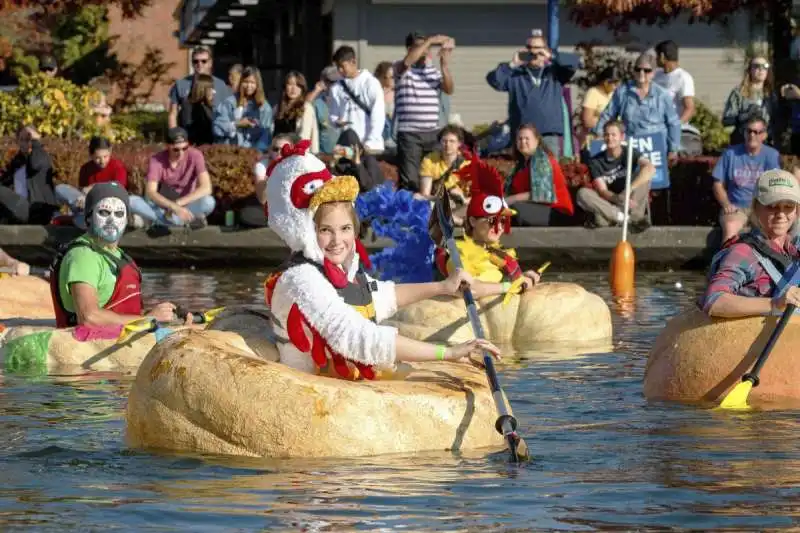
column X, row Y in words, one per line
column 154, row 214
column 69, row 195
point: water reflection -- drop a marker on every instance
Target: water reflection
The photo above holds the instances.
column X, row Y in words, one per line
column 603, row 457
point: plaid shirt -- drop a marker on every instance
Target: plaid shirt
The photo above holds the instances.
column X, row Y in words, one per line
column 740, row 273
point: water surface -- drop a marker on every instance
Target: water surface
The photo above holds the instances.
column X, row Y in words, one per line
column 604, row 458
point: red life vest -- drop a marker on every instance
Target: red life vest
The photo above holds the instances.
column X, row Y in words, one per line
column 126, row 298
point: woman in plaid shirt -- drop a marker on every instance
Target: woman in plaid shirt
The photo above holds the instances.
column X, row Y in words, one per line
column 743, row 281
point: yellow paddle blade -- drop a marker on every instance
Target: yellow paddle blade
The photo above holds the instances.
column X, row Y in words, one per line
column 514, row 288
column 211, row 314
column 737, row 398
column 135, row 326
column 4, row 275
column 542, row 268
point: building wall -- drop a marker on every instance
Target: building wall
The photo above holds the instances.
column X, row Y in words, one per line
column 153, row 28
column 487, row 34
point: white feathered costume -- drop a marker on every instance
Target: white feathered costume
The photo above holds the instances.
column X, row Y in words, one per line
column 322, row 329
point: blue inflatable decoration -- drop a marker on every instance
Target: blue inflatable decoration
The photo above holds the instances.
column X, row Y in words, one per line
column 398, row 216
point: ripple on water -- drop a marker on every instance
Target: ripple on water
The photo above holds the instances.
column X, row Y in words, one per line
column 604, row 458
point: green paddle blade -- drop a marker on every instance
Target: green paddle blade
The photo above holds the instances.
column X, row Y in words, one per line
column 737, row 398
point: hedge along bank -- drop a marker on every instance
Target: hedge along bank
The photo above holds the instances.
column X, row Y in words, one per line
column 690, row 199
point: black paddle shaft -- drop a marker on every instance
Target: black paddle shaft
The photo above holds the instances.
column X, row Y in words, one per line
column 506, row 422
column 752, row 376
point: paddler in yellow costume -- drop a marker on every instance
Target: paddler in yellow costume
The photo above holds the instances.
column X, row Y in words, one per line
column 488, row 217
column 326, row 308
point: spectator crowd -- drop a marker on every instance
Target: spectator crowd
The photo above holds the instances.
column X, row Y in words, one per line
column 402, row 111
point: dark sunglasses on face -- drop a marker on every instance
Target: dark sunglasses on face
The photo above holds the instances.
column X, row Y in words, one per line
column 751, row 131
column 761, row 66
column 200, row 61
column 179, row 149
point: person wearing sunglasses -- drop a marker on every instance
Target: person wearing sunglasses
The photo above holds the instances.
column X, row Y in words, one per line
column 180, row 93
column 644, row 107
column 178, row 189
column 495, row 269
column 736, row 173
column 755, row 95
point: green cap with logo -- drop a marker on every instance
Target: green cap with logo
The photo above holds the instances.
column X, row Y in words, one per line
column 777, row 185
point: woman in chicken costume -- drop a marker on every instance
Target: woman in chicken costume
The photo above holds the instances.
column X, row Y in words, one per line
column 327, row 308
column 514, row 307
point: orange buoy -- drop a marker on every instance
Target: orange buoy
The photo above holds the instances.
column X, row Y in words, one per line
column 623, row 261
column 622, row 270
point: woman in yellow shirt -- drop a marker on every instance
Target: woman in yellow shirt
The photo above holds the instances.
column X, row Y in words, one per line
column 487, row 218
column 598, row 97
column 444, row 164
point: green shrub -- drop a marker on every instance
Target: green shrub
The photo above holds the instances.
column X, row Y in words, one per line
column 715, row 136
column 56, row 107
column 148, row 125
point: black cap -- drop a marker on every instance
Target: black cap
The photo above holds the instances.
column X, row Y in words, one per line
column 177, row 135
column 48, row 63
column 413, row 37
column 110, row 189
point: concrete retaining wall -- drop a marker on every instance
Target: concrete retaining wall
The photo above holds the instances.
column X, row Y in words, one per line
column 569, row 248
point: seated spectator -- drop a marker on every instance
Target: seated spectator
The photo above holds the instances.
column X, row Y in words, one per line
column 178, row 189
column 597, row 98
column 18, row 268
column 357, row 101
column 245, row 119
column 101, row 168
column 736, row 173
column 26, row 184
column 251, row 210
column 320, row 97
column 350, row 158
column 295, row 115
column 644, row 108
column 537, row 185
column 94, row 282
column 201, row 108
column 753, row 97
column 442, row 167
column 605, row 200
column 385, row 75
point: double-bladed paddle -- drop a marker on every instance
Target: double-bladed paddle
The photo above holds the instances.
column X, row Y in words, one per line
column 506, row 422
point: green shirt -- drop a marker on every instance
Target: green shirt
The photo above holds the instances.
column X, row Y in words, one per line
column 86, row 265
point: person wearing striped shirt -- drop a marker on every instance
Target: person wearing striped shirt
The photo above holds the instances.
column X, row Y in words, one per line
column 418, row 88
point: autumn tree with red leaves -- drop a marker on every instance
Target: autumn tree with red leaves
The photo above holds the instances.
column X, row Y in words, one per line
column 618, row 15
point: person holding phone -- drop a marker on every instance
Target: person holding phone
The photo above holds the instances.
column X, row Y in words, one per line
column 534, row 80
column 351, row 159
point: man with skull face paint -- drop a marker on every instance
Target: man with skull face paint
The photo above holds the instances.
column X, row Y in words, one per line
column 495, row 269
column 93, row 282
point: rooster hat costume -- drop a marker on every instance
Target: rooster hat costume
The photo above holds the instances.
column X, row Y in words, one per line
column 486, row 262
column 328, row 313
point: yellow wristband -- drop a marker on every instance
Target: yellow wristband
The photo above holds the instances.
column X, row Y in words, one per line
column 440, row 349
column 506, row 286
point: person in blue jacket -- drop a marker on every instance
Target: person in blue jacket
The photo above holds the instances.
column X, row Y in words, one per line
column 534, row 81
